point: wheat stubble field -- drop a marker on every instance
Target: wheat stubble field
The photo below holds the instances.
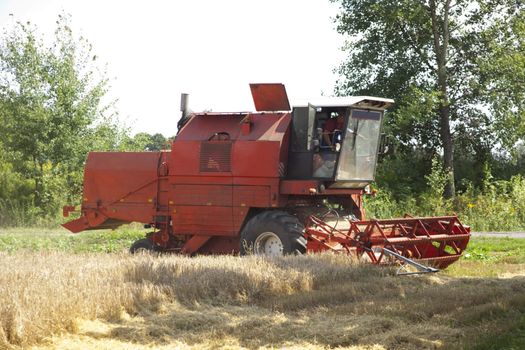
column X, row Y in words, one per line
column 66, row 298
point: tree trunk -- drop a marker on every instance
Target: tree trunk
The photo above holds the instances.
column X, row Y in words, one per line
column 441, row 33
column 37, row 173
column 448, row 151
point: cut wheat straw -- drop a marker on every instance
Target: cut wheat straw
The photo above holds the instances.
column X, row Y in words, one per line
column 303, row 302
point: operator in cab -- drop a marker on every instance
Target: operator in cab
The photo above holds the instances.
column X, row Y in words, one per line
column 332, row 129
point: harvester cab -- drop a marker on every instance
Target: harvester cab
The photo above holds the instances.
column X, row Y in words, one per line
column 260, row 182
column 337, row 140
column 334, row 139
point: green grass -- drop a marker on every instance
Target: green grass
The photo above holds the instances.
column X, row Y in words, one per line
column 492, row 250
column 490, row 257
column 512, row 338
column 501, row 250
column 41, row 239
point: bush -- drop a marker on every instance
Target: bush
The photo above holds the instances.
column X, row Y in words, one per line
column 497, row 206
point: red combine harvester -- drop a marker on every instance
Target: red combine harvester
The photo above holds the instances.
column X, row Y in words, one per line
column 260, row 182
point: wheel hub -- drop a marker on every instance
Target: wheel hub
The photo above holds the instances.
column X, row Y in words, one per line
column 269, row 244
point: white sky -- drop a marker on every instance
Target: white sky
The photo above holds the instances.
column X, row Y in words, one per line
column 212, row 50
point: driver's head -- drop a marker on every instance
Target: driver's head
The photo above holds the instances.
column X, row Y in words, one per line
column 339, row 114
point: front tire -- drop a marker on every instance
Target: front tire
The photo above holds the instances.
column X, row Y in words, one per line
column 273, row 233
column 142, row 246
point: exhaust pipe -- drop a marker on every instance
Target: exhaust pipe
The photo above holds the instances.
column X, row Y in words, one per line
column 186, row 111
column 184, row 102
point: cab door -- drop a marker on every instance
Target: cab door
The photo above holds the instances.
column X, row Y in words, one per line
column 301, row 145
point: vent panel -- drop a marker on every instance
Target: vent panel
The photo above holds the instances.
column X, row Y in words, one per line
column 215, row 156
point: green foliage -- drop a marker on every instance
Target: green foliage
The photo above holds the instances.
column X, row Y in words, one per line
column 46, row 240
column 505, row 250
column 457, row 65
column 502, row 74
column 143, row 141
column 432, row 201
column 51, row 114
column 429, row 202
column 413, row 121
column 382, row 205
column 497, row 206
column 500, row 207
column 460, row 64
column 156, row 142
column 403, row 174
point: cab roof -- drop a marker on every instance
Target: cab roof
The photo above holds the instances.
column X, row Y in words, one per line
column 347, row 101
column 273, row 97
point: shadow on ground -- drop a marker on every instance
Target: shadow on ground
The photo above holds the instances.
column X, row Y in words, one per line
column 425, row 312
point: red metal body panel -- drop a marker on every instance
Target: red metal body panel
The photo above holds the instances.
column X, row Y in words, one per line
column 299, row 187
column 202, row 195
column 251, row 196
column 106, row 177
column 223, row 194
column 202, row 209
column 270, row 97
column 220, row 245
column 256, row 159
column 194, row 243
column 203, row 126
column 111, row 194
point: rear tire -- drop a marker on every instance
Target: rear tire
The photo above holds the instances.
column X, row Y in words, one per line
column 273, row 233
column 142, row 246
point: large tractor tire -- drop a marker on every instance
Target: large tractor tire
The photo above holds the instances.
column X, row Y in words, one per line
column 273, row 233
column 142, row 246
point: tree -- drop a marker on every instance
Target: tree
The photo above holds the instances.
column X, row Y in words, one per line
column 51, row 110
column 148, row 142
column 436, row 58
column 143, row 141
column 158, row 142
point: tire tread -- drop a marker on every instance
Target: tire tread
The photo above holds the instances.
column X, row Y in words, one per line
column 289, row 223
